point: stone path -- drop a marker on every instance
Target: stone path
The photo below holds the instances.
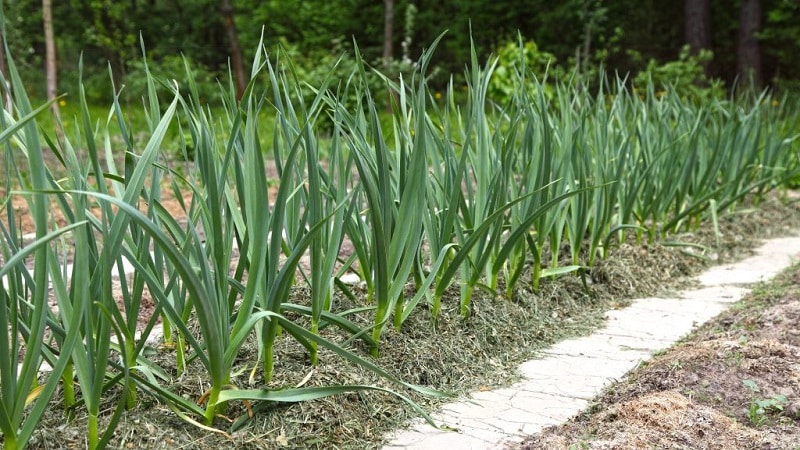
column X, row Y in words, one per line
column 571, row 373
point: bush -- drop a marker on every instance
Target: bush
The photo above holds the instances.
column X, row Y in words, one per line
column 684, row 75
column 516, row 58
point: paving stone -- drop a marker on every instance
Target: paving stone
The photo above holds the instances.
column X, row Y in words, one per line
column 555, row 367
column 433, row 439
column 350, row 278
column 718, row 294
column 626, row 342
column 732, row 274
column 770, row 258
column 676, row 306
column 573, row 377
column 592, row 347
column 667, row 319
column 543, row 409
column 467, row 434
column 657, row 327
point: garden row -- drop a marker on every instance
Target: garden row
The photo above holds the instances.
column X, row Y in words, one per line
column 434, row 195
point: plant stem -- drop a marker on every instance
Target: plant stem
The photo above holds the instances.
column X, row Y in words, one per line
column 314, row 354
column 69, row 389
column 211, row 405
column 92, row 430
column 466, row 299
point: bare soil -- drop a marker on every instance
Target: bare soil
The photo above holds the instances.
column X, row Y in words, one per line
column 733, row 384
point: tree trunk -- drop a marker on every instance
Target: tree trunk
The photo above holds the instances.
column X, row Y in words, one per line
column 697, row 21
column 5, row 90
column 748, row 53
column 235, row 48
column 51, row 73
column 388, row 37
column 388, row 32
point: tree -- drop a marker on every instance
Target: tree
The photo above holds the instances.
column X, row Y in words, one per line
column 748, row 52
column 236, row 50
column 4, row 72
column 51, row 67
column 697, row 28
column 388, row 32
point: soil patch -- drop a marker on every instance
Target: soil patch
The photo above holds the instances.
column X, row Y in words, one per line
column 733, row 384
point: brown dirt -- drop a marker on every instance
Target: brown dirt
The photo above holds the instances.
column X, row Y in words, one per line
column 705, row 393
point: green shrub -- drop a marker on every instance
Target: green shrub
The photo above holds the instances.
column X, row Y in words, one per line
column 512, row 59
column 684, row 75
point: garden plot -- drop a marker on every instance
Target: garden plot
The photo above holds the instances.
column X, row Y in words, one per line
column 478, row 234
column 733, row 383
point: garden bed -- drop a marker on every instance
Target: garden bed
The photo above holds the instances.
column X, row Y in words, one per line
column 456, row 356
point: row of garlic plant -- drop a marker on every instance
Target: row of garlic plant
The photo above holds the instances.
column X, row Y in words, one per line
column 115, row 218
column 446, row 194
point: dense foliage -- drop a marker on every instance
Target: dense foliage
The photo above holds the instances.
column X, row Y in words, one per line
column 622, row 35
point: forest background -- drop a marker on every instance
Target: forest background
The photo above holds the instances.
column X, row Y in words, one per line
column 712, row 44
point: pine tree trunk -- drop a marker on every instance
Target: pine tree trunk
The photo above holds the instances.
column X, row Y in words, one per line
column 388, row 32
column 51, row 68
column 6, row 88
column 236, row 50
column 748, row 52
column 697, row 31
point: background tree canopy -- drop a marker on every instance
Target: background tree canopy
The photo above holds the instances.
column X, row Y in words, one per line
column 621, row 36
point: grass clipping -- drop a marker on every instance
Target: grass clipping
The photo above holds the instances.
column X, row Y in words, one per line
column 456, row 355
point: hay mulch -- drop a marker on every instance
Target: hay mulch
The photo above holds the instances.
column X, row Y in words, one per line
column 455, row 355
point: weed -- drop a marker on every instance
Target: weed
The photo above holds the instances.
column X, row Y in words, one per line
column 760, row 407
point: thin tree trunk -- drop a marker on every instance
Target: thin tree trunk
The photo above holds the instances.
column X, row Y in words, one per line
column 748, row 52
column 697, row 31
column 6, row 88
column 388, row 32
column 51, row 68
column 51, row 65
column 236, row 49
column 388, row 37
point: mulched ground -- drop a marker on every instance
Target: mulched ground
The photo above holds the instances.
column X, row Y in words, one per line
column 459, row 356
